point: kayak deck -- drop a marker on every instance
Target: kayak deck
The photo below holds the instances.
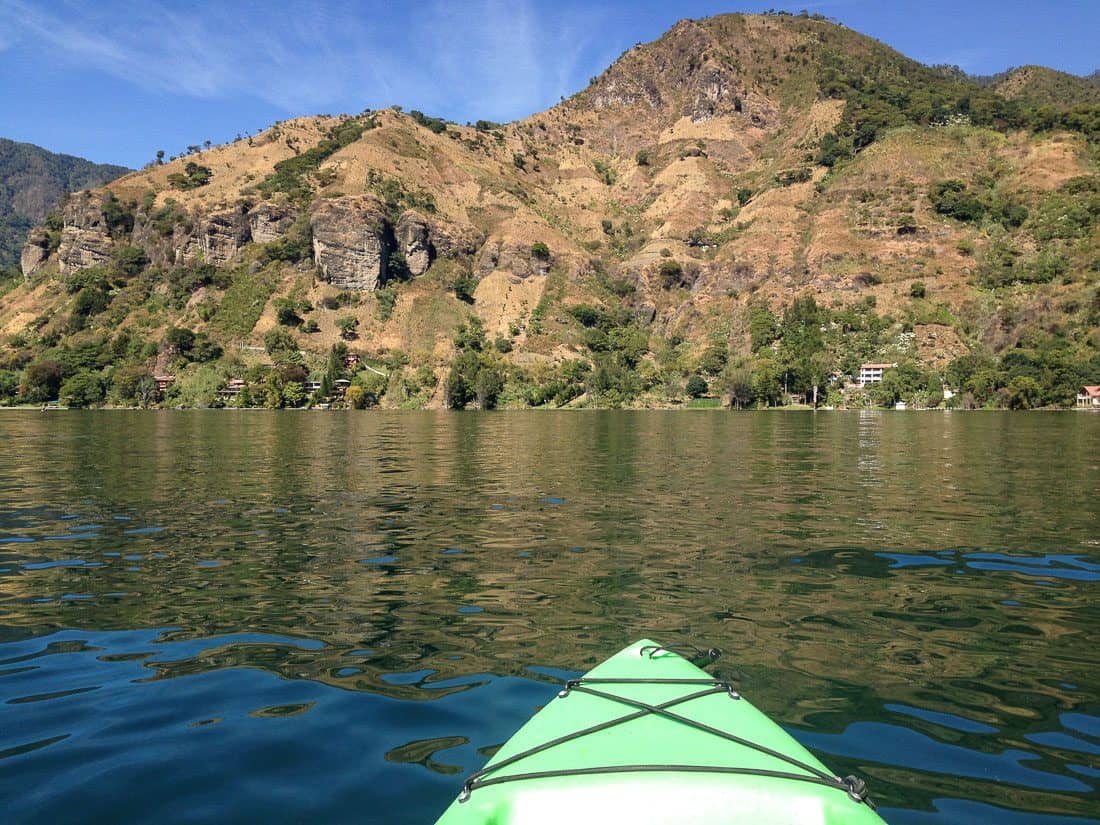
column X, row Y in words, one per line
column 646, row 736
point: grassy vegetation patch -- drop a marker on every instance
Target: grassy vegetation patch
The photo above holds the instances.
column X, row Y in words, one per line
column 244, row 302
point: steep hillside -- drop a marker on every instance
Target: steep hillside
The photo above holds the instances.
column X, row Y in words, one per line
column 749, row 207
column 32, row 182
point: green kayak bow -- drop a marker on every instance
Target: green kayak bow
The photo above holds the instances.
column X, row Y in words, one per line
column 648, row 737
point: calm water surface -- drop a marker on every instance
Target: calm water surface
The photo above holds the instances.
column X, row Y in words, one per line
column 236, row 616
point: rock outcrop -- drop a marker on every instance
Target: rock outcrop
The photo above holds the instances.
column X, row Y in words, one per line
column 517, row 259
column 85, row 235
column 451, row 241
column 349, row 241
column 215, row 238
column 269, row 221
column 413, row 234
column 35, row 252
column 221, row 234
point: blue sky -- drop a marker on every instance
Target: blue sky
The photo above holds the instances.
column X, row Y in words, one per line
column 115, row 81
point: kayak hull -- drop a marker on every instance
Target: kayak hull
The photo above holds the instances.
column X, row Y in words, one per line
column 691, row 750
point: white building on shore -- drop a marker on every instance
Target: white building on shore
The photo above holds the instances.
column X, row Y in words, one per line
column 872, row 373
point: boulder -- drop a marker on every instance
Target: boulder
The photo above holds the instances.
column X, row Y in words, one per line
column 35, row 252
column 450, row 241
column 349, row 241
column 498, row 254
column 269, row 221
column 413, row 235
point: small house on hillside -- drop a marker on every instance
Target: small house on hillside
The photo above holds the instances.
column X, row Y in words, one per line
column 1089, row 398
column 164, row 381
column 351, row 360
column 872, row 373
column 232, row 388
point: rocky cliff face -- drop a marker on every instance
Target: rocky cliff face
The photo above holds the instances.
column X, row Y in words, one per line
column 219, row 237
column 85, row 237
column 269, row 221
column 349, row 241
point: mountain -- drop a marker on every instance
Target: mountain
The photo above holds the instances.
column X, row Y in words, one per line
column 1048, row 87
column 32, row 182
column 749, row 206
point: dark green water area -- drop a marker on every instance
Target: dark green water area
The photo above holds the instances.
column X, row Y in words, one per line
column 306, row 617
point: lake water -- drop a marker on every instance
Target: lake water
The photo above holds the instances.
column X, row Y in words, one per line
column 333, row 617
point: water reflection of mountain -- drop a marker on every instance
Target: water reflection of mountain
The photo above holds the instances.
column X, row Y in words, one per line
column 846, row 564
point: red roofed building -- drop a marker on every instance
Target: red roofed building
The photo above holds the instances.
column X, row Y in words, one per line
column 1089, row 398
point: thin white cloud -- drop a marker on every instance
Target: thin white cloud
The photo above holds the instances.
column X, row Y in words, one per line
column 489, row 58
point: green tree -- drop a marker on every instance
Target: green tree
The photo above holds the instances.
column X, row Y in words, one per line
column 460, row 388
column 801, row 341
column 464, row 285
column 471, row 335
column 767, row 383
column 325, row 388
column 488, row 386
column 935, row 392
column 387, row 299
column 294, row 394
column 90, row 301
column 128, row 261
column 696, row 386
column 763, row 326
column 714, row 358
column 347, row 324
column 286, row 312
column 739, row 385
column 192, row 177
column 982, row 385
column 952, row 198
column 41, row 381
column 9, row 385
column 280, row 344
column 180, row 339
column 83, row 389
column 131, row 384
column 1023, row 393
column 369, row 388
column 272, row 391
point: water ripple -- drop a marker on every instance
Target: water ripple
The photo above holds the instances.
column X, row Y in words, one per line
column 263, row 617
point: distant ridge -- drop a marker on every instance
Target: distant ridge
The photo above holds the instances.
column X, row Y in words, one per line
column 32, row 182
column 1048, row 87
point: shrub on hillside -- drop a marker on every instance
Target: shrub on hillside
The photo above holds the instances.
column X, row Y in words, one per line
column 192, row 177
column 953, row 199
